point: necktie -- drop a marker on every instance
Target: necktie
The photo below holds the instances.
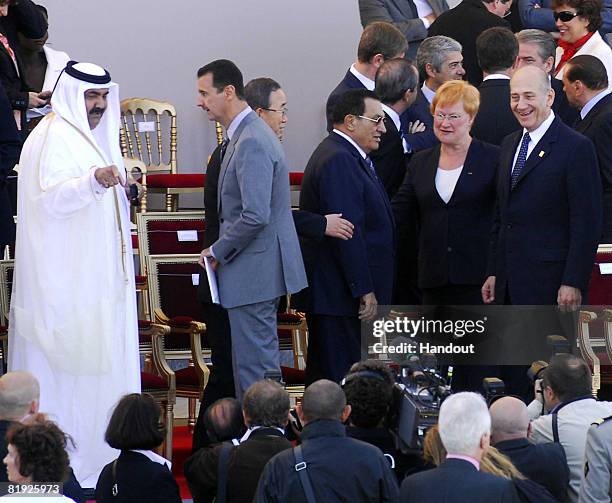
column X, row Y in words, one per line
column 371, row 166
column 520, row 160
column 405, row 142
column 223, row 149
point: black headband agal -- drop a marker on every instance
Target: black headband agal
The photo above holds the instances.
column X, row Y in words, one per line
column 86, row 77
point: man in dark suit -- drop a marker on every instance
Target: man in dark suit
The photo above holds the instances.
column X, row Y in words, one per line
column 465, row 22
column 397, row 86
column 543, row 463
column 548, row 220
column 537, row 47
column 412, row 18
column 585, row 81
column 265, row 408
column 465, row 427
column 497, row 49
column 379, row 42
column 347, row 279
column 438, row 60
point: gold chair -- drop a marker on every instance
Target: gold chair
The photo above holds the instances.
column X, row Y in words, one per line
column 588, row 346
column 138, row 170
column 173, row 296
column 149, row 133
column 157, row 378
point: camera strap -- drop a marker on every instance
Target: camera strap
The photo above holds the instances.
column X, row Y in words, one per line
column 555, row 417
column 300, row 468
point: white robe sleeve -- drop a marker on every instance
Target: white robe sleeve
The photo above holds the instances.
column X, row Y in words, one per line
column 64, row 189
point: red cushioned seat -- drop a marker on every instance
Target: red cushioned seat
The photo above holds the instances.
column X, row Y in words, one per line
column 176, row 181
column 135, row 241
column 187, row 377
column 145, row 324
column 296, row 177
column 140, row 280
column 180, row 321
column 293, row 376
column 152, row 382
column 284, row 333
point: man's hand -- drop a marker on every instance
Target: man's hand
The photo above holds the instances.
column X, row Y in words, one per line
column 569, row 298
column 368, row 307
column 416, row 127
column 129, row 181
column 36, row 101
column 338, row 227
column 488, row 290
column 207, row 255
column 538, row 393
column 108, row 176
column 431, row 17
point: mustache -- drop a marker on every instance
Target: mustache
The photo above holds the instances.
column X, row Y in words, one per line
column 97, row 110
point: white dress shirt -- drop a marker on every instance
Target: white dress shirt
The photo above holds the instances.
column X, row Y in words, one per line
column 592, row 102
column 394, row 116
column 352, row 142
column 534, row 137
column 428, row 93
column 446, row 181
column 367, row 82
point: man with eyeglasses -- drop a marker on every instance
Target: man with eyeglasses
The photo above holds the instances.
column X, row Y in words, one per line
column 348, row 279
column 465, row 22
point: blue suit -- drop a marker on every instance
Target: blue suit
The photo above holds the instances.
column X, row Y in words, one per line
column 547, row 228
column 420, row 110
column 338, row 180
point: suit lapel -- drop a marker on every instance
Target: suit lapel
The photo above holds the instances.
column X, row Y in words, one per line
column 466, row 175
column 586, row 123
column 507, row 162
column 541, row 150
column 229, row 152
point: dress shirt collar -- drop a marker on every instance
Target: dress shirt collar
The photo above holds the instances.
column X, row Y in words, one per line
column 367, row 82
column 153, row 456
column 428, row 93
column 469, row 459
column 352, row 142
column 253, row 428
column 537, row 134
column 498, row 76
column 231, row 129
column 394, row 116
column 592, row 102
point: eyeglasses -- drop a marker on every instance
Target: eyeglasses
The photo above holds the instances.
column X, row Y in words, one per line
column 450, row 117
column 376, row 119
column 565, row 16
column 282, row 111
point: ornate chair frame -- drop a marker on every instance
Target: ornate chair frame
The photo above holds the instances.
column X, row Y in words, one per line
column 194, row 329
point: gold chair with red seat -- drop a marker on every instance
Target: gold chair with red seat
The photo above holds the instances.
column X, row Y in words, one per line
column 149, row 133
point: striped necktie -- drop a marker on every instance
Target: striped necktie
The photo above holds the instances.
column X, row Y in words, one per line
column 520, row 160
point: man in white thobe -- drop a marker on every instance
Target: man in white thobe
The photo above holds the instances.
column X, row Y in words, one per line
column 73, row 320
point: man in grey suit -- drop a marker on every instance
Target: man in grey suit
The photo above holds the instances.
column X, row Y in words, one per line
column 412, row 17
column 257, row 256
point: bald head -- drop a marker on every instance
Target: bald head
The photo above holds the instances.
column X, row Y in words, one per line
column 323, row 400
column 19, row 395
column 509, row 419
column 531, row 97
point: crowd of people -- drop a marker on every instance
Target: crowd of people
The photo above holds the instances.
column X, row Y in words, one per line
column 467, row 163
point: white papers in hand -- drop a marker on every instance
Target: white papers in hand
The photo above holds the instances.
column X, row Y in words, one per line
column 212, row 280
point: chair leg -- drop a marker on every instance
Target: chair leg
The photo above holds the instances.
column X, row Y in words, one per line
column 169, row 431
column 192, row 417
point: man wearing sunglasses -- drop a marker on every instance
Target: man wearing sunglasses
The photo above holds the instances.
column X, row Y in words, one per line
column 347, row 279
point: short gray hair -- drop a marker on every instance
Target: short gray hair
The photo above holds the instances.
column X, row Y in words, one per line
column 544, row 40
column 266, row 403
column 464, row 419
column 434, row 50
column 17, row 391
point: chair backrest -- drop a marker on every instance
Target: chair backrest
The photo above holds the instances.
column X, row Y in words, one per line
column 600, row 287
column 6, row 286
column 149, row 133
column 165, row 233
column 590, row 347
column 173, row 285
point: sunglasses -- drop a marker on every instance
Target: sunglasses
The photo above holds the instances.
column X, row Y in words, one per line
column 565, row 15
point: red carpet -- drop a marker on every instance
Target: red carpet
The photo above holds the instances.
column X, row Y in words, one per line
column 181, row 449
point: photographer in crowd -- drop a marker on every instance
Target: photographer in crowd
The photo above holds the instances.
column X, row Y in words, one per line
column 563, row 410
column 369, row 389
